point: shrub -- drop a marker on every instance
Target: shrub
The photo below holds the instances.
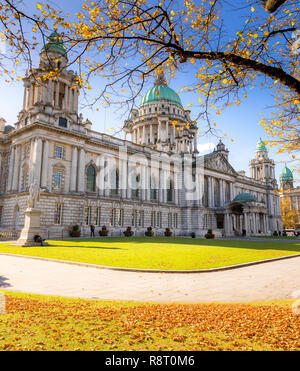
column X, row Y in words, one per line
column 209, row 234
column 104, row 231
column 193, row 234
column 75, row 231
column 128, row 232
column 149, row 232
column 168, row 232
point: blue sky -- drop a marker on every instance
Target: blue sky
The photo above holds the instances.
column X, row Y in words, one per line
column 239, row 123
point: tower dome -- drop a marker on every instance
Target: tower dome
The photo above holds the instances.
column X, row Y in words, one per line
column 160, row 90
column 54, row 43
column 286, row 174
column 260, row 147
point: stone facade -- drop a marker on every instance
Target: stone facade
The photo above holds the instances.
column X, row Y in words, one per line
column 155, row 179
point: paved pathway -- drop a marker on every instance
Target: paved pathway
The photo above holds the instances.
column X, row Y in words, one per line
column 268, row 281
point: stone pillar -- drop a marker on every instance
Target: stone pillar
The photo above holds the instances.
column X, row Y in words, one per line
column 143, row 135
column 124, row 178
column 221, row 190
column 56, row 93
column 74, row 169
column 16, row 170
column 151, row 134
column 231, row 191
column 246, row 223
column 76, row 100
column 45, row 164
column 159, row 131
column 66, row 106
column 209, row 189
column 161, row 185
column 36, row 160
column 101, row 175
column 81, row 170
column 167, row 130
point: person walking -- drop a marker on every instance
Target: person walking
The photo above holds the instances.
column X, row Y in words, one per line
column 92, row 230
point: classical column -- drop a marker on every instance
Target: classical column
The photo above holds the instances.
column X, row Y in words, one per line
column 11, row 167
column 143, row 182
column 209, row 189
column 124, row 178
column 76, row 100
column 143, row 134
column 167, row 130
column 81, row 170
column 101, row 175
column 161, row 185
column 56, row 93
column 246, row 223
column 31, row 91
column 16, row 169
column 36, row 160
column 44, row 180
column 71, row 99
column 231, row 191
column 74, row 169
column 138, row 135
column 221, row 190
column 151, row 134
column 66, row 97
column 159, row 131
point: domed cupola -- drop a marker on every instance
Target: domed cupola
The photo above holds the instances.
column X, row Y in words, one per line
column 286, row 178
column 161, row 122
column 53, row 54
column 260, row 147
column 160, row 91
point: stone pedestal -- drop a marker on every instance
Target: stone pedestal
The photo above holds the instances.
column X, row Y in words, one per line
column 32, row 226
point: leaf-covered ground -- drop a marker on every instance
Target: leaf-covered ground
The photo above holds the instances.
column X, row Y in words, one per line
column 159, row 252
column 34, row 322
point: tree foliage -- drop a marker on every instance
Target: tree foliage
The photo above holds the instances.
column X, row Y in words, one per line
column 126, row 41
column 288, row 214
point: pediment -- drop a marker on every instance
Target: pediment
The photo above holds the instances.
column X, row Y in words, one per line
column 216, row 161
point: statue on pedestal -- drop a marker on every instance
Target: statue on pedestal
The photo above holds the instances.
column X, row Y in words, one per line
column 34, row 195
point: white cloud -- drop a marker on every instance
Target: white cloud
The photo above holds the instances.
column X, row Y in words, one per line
column 205, row 147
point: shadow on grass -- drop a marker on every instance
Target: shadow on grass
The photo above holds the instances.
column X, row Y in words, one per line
column 3, row 283
column 197, row 242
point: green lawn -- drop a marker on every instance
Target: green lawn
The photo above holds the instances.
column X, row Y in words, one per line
column 34, row 322
column 159, row 253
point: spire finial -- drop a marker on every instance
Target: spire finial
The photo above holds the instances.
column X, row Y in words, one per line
column 160, row 79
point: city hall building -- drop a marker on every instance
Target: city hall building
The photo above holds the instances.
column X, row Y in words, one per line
column 154, row 177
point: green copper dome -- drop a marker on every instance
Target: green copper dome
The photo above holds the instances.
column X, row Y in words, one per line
column 260, row 147
column 54, row 43
column 160, row 90
column 244, row 197
column 286, row 174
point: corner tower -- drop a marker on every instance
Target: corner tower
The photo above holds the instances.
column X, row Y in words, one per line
column 286, row 179
column 50, row 91
column 160, row 121
column 262, row 167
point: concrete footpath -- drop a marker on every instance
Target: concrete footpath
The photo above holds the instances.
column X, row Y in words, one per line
column 266, row 281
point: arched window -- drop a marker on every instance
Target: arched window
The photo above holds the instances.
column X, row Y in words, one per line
column 115, row 181
column 170, row 192
column 153, row 189
column 91, row 179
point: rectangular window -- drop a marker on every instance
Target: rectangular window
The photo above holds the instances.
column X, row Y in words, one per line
column 57, row 179
column 134, row 218
column 58, row 152
column 141, row 218
column 159, row 219
column 170, row 220
column 121, row 217
column 62, row 122
column 113, row 217
column 153, row 219
column 175, row 221
column 98, row 216
column 88, row 215
column 58, row 213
